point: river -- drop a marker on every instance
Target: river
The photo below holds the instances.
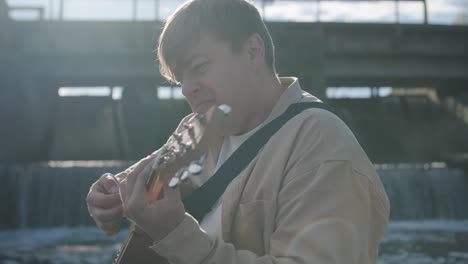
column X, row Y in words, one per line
column 410, row 242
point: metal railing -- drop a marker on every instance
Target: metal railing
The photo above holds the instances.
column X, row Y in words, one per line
column 55, row 9
column 264, row 3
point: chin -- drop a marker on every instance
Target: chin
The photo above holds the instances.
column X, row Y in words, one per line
column 203, row 108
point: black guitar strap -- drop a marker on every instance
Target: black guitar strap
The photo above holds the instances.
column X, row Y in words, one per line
column 201, row 201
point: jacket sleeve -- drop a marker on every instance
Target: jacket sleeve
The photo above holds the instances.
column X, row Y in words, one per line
column 322, row 217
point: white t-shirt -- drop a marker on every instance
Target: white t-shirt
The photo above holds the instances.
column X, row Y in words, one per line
column 211, row 223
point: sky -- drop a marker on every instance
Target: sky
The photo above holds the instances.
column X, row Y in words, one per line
column 439, row 11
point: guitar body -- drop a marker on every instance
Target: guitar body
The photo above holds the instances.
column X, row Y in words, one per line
column 136, row 249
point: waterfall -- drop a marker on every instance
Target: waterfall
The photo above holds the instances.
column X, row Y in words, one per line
column 40, row 195
column 426, row 193
column 53, row 194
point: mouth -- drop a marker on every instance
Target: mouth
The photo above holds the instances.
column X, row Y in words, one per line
column 202, row 107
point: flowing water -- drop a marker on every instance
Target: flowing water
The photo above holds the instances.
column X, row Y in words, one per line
column 44, row 217
column 412, row 242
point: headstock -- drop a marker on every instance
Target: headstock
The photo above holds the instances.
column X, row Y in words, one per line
column 183, row 154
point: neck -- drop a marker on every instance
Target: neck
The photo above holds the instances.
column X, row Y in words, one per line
column 269, row 90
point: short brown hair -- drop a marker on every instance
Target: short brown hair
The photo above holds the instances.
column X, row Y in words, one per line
column 232, row 21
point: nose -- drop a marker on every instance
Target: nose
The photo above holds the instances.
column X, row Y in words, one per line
column 189, row 89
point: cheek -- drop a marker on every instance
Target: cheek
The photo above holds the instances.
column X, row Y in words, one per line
column 209, row 89
column 214, row 84
column 224, row 82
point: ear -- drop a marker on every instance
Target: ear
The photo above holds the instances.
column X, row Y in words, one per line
column 255, row 50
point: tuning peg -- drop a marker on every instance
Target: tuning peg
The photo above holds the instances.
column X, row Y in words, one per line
column 174, row 182
column 185, row 175
column 182, row 174
column 225, row 108
column 186, row 146
column 190, row 129
column 177, row 136
column 177, row 153
column 195, row 168
column 188, row 126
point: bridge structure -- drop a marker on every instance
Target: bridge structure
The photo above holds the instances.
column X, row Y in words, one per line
column 39, row 57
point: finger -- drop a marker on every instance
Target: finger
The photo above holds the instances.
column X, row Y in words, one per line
column 102, row 200
column 142, row 164
column 110, row 228
column 123, row 190
column 171, row 193
column 110, row 183
column 107, row 215
column 98, row 186
column 113, row 231
column 131, row 178
column 138, row 187
column 124, row 195
column 119, row 177
column 104, row 184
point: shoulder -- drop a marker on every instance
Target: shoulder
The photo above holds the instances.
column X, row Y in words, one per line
column 318, row 126
column 318, row 136
column 316, row 119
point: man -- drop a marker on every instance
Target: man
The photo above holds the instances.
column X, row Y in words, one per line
column 311, row 195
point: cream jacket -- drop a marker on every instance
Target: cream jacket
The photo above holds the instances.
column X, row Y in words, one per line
column 310, row 196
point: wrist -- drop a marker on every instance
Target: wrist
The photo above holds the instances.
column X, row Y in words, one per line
column 165, row 229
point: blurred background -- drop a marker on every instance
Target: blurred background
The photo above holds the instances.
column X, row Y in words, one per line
column 80, row 95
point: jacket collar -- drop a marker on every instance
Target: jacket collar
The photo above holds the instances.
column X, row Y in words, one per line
column 291, row 94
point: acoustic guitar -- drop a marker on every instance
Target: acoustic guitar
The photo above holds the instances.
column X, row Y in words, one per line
column 181, row 157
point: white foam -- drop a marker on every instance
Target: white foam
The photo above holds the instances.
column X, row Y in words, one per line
column 431, row 225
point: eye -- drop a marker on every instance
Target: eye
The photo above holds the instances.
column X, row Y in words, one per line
column 200, row 68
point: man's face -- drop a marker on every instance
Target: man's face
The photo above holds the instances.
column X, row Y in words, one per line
column 212, row 74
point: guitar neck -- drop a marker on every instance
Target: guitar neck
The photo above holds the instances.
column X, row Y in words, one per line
column 153, row 189
column 180, row 158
